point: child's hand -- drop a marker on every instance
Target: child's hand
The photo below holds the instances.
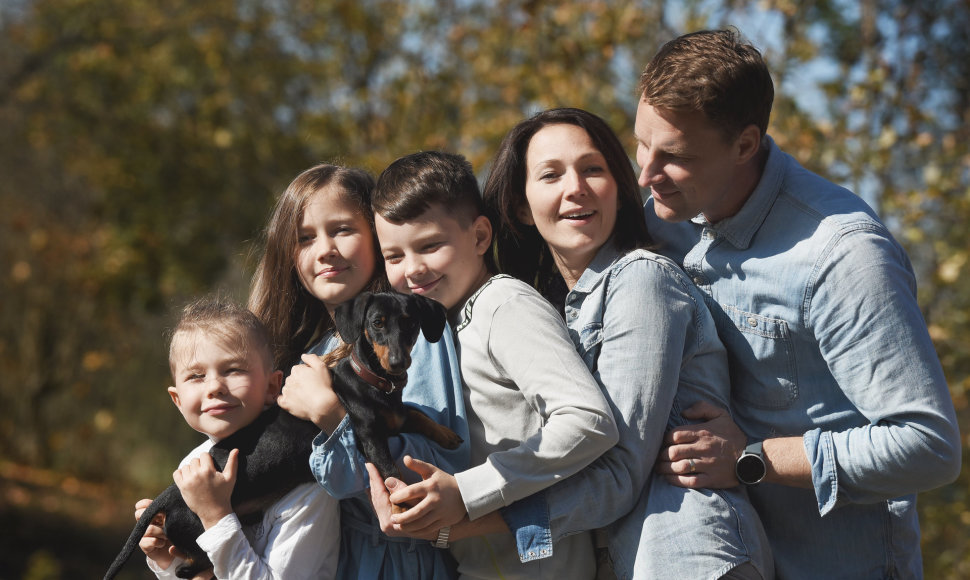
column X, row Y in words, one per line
column 206, row 490
column 155, row 543
column 308, row 394
column 379, row 497
column 437, row 501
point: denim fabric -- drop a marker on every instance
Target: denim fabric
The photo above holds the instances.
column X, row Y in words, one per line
column 434, row 386
column 643, row 329
column 816, row 304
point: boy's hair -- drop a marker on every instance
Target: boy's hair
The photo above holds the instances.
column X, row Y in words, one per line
column 521, row 250
column 715, row 72
column 294, row 317
column 413, row 183
column 221, row 320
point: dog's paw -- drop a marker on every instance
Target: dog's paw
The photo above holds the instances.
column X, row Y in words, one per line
column 449, row 439
column 398, row 509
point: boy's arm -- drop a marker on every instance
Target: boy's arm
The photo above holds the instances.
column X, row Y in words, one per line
column 529, row 341
column 300, row 536
column 434, row 386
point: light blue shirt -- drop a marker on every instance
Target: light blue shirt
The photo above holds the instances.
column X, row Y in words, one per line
column 643, row 329
column 816, row 303
column 434, row 386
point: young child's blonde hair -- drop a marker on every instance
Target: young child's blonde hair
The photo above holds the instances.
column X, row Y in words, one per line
column 222, row 320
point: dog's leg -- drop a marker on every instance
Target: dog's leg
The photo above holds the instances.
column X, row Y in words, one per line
column 418, row 422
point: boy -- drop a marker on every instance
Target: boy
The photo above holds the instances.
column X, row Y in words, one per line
column 222, row 366
column 535, row 413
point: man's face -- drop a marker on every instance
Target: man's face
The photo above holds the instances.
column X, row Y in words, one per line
column 688, row 164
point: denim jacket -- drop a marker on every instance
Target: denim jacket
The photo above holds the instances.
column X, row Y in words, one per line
column 816, row 304
column 643, row 329
column 434, row 386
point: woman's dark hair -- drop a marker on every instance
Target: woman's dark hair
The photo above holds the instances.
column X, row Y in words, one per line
column 521, row 251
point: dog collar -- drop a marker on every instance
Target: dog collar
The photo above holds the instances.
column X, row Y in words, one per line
column 372, row 379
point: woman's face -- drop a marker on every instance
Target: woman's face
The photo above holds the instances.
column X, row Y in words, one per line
column 571, row 195
column 335, row 253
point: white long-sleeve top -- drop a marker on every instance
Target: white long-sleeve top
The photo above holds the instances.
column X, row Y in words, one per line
column 298, row 537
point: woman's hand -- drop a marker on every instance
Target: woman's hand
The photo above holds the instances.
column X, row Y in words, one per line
column 308, row 394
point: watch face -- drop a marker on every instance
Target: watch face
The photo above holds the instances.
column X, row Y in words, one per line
column 750, row 469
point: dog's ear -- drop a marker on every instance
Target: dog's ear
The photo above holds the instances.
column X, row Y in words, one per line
column 349, row 317
column 432, row 315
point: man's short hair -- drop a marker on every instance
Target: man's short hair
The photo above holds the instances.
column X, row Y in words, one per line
column 715, row 72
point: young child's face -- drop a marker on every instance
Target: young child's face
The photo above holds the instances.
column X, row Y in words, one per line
column 335, row 255
column 435, row 256
column 571, row 194
column 219, row 389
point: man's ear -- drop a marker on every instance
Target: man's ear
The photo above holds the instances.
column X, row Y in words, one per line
column 274, row 388
column 524, row 213
column 483, row 234
column 748, row 144
column 173, row 392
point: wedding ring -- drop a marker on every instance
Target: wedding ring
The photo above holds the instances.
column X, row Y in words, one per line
column 693, row 469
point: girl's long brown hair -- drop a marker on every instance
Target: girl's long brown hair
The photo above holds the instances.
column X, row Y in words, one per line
column 294, row 317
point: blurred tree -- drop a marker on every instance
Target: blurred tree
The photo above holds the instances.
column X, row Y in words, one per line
column 142, row 144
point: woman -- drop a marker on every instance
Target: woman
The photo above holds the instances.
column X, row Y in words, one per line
column 569, row 218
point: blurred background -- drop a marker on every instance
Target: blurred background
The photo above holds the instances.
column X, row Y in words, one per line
column 142, row 144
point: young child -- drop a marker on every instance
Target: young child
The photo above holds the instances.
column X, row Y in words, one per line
column 222, row 366
column 321, row 252
column 535, row 413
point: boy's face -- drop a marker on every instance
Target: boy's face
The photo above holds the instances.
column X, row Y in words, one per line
column 687, row 163
column 220, row 390
column 335, row 254
column 435, row 256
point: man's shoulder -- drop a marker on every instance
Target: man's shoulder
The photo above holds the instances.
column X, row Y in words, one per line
column 822, row 200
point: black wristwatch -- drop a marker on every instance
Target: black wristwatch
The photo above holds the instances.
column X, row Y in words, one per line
column 750, row 467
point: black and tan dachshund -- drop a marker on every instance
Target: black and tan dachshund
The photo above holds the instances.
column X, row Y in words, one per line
column 382, row 328
column 274, row 449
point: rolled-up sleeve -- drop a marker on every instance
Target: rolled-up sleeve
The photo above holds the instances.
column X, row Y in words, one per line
column 865, row 317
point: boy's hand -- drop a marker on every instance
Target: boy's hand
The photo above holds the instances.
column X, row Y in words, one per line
column 380, row 498
column 436, row 501
column 155, row 543
column 308, row 394
column 206, row 490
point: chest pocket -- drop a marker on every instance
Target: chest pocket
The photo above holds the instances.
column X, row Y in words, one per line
column 761, row 356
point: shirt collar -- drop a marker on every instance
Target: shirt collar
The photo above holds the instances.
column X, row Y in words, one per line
column 604, row 258
column 740, row 228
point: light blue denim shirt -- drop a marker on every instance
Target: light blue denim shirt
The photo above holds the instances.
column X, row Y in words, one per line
column 816, row 303
column 643, row 329
column 434, row 386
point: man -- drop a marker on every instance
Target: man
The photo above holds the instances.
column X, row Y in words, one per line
column 840, row 411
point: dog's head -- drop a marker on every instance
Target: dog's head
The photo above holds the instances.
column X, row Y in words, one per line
column 390, row 323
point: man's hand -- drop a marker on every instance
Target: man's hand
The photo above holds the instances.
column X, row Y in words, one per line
column 704, row 454
column 308, row 394
column 206, row 490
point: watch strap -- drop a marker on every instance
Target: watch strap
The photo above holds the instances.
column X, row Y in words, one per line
column 442, row 540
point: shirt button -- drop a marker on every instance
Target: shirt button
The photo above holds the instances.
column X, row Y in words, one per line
column 752, row 322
